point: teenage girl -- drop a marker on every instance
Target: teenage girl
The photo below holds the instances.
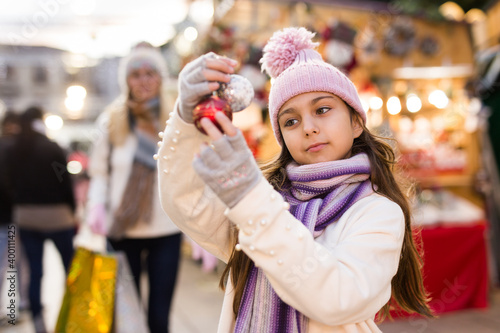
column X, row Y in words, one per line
column 320, row 239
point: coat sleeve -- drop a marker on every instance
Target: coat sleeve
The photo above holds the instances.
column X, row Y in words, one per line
column 343, row 276
column 193, row 207
column 66, row 183
column 99, row 165
column 6, row 191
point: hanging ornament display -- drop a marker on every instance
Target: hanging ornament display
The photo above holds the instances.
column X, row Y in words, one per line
column 233, row 96
column 339, row 45
column 429, row 46
column 339, row 54
column 367, row 43
column 399, row 39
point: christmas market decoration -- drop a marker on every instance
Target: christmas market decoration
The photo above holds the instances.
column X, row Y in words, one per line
column 234, row 96
column 207, row 108
column 339, row 45
column 368, row 44
column 238, row 92
column 399, row 39
column 429, row 46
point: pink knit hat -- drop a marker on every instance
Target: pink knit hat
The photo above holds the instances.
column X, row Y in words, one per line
column 290, row 59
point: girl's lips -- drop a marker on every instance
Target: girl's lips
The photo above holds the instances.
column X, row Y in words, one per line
column 316, row 147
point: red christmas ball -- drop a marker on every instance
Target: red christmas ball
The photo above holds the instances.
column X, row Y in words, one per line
column 207, row 109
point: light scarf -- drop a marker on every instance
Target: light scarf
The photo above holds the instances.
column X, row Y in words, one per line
column 137, row 200
column 318, row 195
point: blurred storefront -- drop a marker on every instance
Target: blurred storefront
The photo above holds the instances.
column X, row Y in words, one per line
column 411, row 73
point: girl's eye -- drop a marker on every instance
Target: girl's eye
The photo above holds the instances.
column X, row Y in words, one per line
column 322, row 110
column 290, row 122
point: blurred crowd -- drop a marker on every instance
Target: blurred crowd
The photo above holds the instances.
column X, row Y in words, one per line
column 116, row 198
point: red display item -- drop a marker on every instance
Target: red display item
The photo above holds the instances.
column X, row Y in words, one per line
column 207, row 109
column 455, row 266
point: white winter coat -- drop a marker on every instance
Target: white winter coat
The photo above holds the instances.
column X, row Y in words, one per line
column 339, row 280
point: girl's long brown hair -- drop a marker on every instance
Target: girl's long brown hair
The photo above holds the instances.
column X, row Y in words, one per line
column 407, row 285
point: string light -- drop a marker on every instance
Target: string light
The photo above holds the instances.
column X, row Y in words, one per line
column 75, row 98
column 375, row 102
column 191, row 34
column 452, row 11
column 364, row 104
column 53, row 122
column 413, row 103
column 393, row 105
column 438, row 98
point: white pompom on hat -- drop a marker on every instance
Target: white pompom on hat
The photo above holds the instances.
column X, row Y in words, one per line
column 290, row 60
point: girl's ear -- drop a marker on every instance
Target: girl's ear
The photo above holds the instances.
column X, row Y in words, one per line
column 357, row 127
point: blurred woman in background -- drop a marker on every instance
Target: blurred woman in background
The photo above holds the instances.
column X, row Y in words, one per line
column 123, row 200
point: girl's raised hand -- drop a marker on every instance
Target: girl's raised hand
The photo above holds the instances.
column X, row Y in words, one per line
column 201, row 77
column 228, row 168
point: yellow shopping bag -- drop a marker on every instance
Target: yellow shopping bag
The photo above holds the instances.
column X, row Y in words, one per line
column 88, row 302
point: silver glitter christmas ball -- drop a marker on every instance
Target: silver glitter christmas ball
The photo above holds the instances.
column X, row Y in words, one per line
column 238, row 92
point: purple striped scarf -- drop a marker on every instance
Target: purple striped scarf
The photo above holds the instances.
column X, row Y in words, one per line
column 318, row 195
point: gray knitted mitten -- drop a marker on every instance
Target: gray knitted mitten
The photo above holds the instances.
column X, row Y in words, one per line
column 229, row 169
column 193, row 86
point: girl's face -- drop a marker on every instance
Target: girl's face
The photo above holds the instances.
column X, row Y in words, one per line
column 317, row 127
column 144, row 83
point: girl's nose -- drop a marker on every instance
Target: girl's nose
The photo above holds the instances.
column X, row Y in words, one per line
column 310, row 127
